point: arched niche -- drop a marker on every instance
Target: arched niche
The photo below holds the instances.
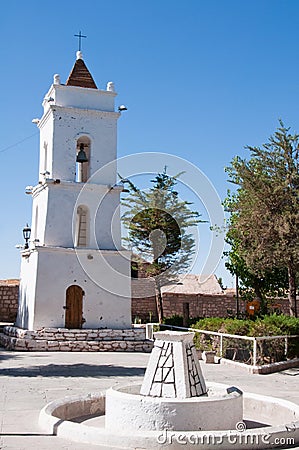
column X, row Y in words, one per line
column 82, row 227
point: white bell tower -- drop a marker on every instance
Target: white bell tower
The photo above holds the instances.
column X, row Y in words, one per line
column 75, row 273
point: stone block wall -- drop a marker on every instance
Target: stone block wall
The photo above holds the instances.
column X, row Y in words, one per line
column 200, row 305
column 9, row 293
column 218, row 305
column 223, row 305
column 144, row 303
column 62, row 339
column 144, row 309
column 282, row 305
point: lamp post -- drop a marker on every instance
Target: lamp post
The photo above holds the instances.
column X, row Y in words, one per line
column 237, row 296
column 26, row 235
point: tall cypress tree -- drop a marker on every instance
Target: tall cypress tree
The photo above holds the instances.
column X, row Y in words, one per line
column 157, row 222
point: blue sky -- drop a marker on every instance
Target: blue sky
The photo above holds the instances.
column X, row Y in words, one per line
column 201, row 79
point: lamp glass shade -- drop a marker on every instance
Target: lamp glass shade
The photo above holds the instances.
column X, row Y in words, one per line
column 26, row 232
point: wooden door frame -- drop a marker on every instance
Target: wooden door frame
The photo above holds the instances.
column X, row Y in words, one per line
column 74, row 307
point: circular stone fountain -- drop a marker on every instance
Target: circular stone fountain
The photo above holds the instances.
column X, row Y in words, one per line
column 174, row 407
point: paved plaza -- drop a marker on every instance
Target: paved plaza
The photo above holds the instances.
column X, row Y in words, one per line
column 31, row 380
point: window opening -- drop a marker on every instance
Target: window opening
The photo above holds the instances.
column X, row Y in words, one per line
column 82, row 227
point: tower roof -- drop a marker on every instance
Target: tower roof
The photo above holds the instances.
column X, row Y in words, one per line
column 80, row 75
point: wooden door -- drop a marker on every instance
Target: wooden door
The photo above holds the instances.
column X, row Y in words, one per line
column 73, row 307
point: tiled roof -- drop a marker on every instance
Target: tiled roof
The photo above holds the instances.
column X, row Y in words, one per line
column 10, row 282
column 80, row 76
column 195, row 284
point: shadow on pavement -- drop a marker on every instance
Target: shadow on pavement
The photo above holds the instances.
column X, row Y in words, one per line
column 73, row 370
column 24, row 434
column 5, row 356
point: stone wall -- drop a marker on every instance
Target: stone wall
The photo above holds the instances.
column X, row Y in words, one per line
column 144, row 303
column 282, row 305
column 9, row 292
column 199, row 306
column 62, row 339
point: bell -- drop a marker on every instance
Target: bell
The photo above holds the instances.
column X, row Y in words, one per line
column 81, row 156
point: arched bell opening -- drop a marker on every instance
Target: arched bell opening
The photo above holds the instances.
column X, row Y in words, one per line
column 82, row 159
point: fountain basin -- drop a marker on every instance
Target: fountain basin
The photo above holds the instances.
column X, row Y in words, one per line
column 220, row 409
column 66, row 419
column 174, row 407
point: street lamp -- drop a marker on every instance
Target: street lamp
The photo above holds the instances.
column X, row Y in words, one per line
column 26, row 235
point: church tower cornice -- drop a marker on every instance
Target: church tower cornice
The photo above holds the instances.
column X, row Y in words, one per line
column 73, row 110
column 76, row 97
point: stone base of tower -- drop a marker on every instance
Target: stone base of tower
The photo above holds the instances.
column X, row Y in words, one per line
column 75, row 340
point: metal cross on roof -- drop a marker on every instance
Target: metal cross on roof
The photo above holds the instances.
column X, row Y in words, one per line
column 80, row 36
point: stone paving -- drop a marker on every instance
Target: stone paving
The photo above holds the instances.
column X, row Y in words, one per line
column 30, row 380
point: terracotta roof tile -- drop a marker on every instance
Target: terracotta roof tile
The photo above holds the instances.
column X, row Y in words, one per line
column 194, row 284
column 10, row 282
column 80, row 76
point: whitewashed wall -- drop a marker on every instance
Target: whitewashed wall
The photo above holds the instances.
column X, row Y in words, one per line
column 60, row 268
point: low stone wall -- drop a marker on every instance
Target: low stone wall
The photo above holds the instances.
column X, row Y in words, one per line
column 201, row 305
column 144, row 303
column 9, row 292
column 62, row 339
column 220, row 305
column 144, row 309
column 282, row 305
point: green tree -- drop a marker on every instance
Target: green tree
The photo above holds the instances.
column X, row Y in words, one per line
column 157, row 222
column 264, row 223
column 271, row 284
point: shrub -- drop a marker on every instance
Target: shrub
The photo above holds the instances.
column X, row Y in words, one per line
column 268, row 351
column 286, row 324
column 174, row 320
column 209, row 323
column 236, row 326
column 177, row 320
column 262, row 326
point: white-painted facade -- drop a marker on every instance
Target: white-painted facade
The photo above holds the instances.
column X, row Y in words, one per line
column 75, row 238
